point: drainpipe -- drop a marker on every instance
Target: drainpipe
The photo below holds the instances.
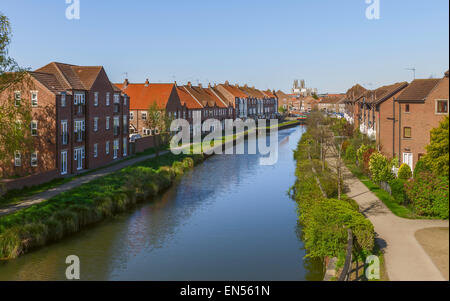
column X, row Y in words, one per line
column 400, row 132
column 393, row 128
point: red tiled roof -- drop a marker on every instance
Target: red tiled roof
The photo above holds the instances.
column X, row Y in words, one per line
column 142, row 96
column 236, row 92
column 269, row 94
column 252, row 92
column 187, row 99
column 418, row 90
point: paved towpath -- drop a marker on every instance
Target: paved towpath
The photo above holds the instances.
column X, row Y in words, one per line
column 43, row 196
column 405, row 258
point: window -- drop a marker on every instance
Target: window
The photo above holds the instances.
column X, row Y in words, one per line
column 144, row 116
column 34, row 98
column 17, row 158
column 116, row 148
column 34, row 159
column 442, row 106
column 17, row 98
column 406, row 132
column 64, row 132
column 125, row 120
column 125, row 100
column 95, row 150
column 63, row 99
column 95, row 124
column 124, row 147
column 107, row 122
column 108, row 95
column 407, row 108
column 116, row 98
column 34, row 131
column 116, row 126
column 107, row 147
column 131, row 115
column 96, row 99
column 79, row 99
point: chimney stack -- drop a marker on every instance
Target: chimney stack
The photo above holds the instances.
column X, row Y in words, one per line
column 189, row 84
column 175, row 83
column 227, row 83
column 200, row 85
column 147, row 83
column 209, row 86
column 126, row 83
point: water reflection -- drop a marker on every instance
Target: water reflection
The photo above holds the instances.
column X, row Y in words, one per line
column 229, row 219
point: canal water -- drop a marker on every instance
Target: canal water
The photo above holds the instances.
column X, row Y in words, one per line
column 228, row 219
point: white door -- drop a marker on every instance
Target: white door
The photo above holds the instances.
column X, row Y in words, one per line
column 64, row 162
column 408, row 159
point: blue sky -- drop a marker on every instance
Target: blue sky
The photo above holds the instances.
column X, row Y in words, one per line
column 264, row 43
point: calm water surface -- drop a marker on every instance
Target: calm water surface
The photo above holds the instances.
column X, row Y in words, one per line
column 228, row 219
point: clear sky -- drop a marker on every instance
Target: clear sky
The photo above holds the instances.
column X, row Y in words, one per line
column 329, row 43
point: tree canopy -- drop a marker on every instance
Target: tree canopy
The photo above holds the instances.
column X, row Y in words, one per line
column 437, row 156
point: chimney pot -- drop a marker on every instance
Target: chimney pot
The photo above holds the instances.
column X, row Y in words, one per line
column 200, row 85
column 147, row 83
column 209, row 85
column 126, row 83
column 227, row 82
column 189, row 84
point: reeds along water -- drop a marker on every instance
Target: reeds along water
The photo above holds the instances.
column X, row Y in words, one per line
column 51, row 221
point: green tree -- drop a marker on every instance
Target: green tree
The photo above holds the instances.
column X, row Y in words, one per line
column 15, row 115
column 404, row 172
column 380, row 168
column 159, row 121
column 437, row 156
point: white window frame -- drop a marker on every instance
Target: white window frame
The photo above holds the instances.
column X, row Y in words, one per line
column 131, row 115
column 17, row 98
column 34, row 122
column 34, row 98
column 124, row 146
column 63, row 99
column 125, row 123
column 107, row 147
column 116, row 148
column 64, row 162
column 116, row 98
column 108, row 98
column 144, row 114
column 95, row 124
column 17, row 159
column 436, row 107
column 95, row 150
column 96, row 99
column 108, row 121
column 34, row 163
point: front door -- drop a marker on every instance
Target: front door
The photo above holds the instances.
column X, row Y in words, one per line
column 408, row 159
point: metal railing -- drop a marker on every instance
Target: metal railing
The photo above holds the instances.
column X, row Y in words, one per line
column 345, row 274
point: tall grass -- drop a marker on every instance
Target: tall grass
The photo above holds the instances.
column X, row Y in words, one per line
column 87, row 204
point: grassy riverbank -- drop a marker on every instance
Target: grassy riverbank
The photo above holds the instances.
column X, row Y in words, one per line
column 89, row 203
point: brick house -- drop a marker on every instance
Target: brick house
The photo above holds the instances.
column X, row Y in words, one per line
column 377, row 123
column 352, row 108
column 270, row 104
column 419, row 109
column 142, row 96
column 80, row 121
column 236, row 97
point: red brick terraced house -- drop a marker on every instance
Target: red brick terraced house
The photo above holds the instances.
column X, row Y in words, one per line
column 377, row 114
column 192, row 107
column 213, row 106
column 143, row 95
column 351, row 108
column 255, row 106
column 270, row 104
column 419, row 109
column 80, row 121
column 236, row 97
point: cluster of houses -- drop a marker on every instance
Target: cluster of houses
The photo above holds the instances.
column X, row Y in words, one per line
column 399, row 117
column 81, row 120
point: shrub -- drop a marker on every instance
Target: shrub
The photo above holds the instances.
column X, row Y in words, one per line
column 404, row 172
column 398, row 190
column 360, row 153
column 366, row 159
column 421, row 166
column 429, row 195
column 178, row 168
column 350, row 153
column 380, row 168
column 188, row 163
